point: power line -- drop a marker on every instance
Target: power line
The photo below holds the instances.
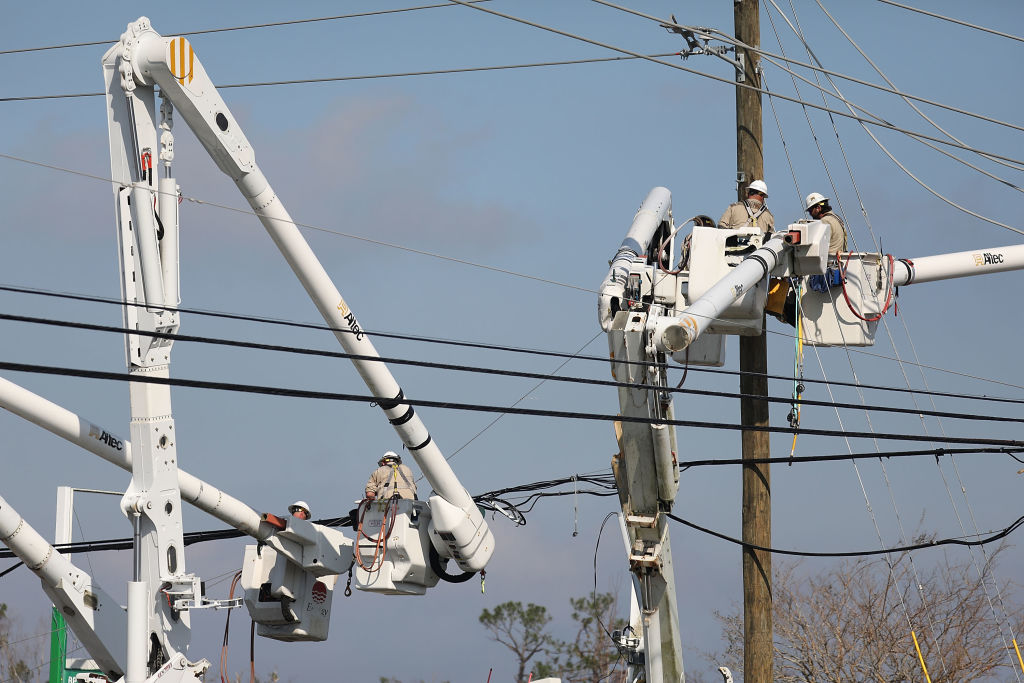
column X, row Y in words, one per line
column 856, row 553
column 219, row 341
column 956, row 142
column 245, row 27
column 474, row 407
column 482, row 266
column 635, row 55
column 725, row 37
column 936, row 452
column 365, row 77
column 606, row 487
column 466, row 262
column 361, row 238
column 731, row 83
column 889, row 154
column 491, row 500
column 517, row 349
column 955, row 21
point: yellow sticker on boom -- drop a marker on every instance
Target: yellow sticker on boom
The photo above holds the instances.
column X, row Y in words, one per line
column 182, row 59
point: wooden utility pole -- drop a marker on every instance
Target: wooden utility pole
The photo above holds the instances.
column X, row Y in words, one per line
column 757, row 530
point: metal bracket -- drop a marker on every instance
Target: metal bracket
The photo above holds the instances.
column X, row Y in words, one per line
column 642, row 521
column 698, row 42
column 186, row 593
column 645, row 556
column 628, row 645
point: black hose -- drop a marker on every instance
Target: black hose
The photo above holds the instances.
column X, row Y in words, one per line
column 435, row 564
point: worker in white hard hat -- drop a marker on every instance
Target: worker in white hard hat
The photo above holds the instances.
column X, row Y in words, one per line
column 818, row 207
column 300, row 509
column 390, row 479
column 753, row 211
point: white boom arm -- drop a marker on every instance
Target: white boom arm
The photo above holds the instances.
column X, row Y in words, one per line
column 675, row 334
column 144, row 59
column 96, row 618
column 655, row 209
column 118, row 451
column 960, row 264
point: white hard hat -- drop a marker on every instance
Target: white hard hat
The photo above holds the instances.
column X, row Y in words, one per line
column 759, row 186
column 299, row 505
column 390, row 455
column 814, row 198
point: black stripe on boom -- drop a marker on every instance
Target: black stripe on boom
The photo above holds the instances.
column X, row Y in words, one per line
column 388, row 404
column 404, row 418
column 422, row 445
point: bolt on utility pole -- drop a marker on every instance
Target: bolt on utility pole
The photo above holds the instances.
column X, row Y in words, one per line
column 756, row 517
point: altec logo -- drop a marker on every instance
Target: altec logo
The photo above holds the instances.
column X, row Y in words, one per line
column 100, row 435
column 319, row 592
column 987, row 259
column 182, row 60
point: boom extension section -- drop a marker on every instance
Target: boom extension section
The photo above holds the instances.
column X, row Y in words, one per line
column 144, row 60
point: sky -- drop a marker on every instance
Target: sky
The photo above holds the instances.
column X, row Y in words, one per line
column 536, row 174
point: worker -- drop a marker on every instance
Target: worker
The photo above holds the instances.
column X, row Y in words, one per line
column 300, row 509
column 391, row 478
column 751, row 212
column 817, row 205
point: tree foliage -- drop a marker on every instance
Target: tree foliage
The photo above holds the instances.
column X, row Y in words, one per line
column 523, row 630
column 853, row 623
column 16, row 664
column 591, row 657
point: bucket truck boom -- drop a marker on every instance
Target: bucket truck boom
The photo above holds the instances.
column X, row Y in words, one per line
column 289, row 577
column 654, row 308
column 145, row 60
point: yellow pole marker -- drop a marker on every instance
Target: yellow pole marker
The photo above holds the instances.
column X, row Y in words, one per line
column 1017, row 648
column 920, row 658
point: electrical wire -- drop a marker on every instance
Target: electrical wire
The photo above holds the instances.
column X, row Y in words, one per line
column 452, row 259
column 917, row 582
column 998, row 536
column 474, row 407
column 538, row 385
column 905, row 98
column 851, row 106
column 935, row 452
column 1006, row 620
column 607, row 488
column 11, row 568
column 818, row 68
column 448, row 4
column 889, row 154
column 955, row 21
column 19, row 677
column 543, row 377
column 246, row 27
column 529, row 351
column 365, row 77
column 489, row 500
column 863, row 121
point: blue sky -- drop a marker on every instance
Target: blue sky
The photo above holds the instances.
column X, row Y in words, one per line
column 534, row 171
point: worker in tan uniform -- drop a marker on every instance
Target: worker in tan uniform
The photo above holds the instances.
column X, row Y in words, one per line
column 817, row 205
column 391, row 478
column 751, row 212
